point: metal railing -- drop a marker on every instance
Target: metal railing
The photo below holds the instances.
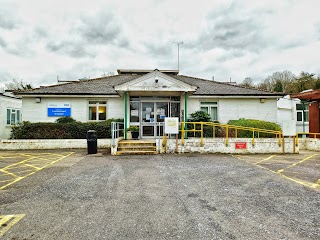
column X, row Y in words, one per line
column 305, row 134
column 116, row 131
column 198, row 127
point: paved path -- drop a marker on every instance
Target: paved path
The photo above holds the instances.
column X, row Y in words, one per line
column 189, row 196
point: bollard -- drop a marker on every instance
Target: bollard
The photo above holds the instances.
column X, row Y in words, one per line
column 92, row 142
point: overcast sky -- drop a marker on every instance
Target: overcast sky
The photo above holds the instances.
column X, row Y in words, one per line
column 222, row 38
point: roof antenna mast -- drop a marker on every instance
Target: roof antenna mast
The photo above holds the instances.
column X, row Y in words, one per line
column 178, row 44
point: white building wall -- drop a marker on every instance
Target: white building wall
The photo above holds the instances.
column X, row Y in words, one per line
column 38, row 112
column 230, row 109
column 115, row 108
column 7, row 102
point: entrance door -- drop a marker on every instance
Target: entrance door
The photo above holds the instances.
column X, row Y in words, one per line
column 153, row 113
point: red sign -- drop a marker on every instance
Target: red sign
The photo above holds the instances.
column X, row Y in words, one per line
column 241, row 145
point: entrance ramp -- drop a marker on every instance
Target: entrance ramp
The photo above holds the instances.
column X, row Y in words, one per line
column 136, row 147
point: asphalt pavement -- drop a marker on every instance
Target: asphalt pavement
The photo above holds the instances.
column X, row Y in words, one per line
column 190, row 196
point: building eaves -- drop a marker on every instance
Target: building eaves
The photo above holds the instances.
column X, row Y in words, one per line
column 210, row 87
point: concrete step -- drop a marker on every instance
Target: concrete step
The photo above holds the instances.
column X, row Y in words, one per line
column 137, row 147
column 136, row 152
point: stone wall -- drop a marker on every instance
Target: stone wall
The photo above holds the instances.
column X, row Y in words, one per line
column 218, row 145
column 50, row 144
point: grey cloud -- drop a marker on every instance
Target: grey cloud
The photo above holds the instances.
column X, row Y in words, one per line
column 7, row 21
column 2, row 43
column 233, row 30
column 72, row 49
column 158, row 49
column 101, row 29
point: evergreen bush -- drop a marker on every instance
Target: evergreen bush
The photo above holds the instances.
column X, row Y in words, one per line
column 68, row 130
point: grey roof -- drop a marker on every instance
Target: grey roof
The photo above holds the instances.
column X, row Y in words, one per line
column 209, row 87
column 105, row 86
column 97, row 86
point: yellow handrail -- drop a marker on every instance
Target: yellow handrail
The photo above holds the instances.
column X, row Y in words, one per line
column 305, row 133
column 227, row 127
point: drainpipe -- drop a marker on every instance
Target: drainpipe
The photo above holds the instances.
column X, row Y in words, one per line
column 303, row 125
column 185, row 111
column 125, row 95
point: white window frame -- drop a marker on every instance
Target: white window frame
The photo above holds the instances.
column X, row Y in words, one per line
column 303, row 113
column 209, row 105
column 97, row 105
column 13, row 116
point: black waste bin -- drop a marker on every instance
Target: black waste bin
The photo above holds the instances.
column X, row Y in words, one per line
column 92, row 142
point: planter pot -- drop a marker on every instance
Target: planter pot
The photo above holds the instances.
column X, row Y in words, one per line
column 135, row 135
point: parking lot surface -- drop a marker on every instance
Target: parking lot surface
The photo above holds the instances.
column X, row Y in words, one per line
column 190, row 196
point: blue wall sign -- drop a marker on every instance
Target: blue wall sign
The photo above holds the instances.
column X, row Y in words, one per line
column 59, row 110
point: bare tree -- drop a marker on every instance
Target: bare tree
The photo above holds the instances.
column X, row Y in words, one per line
column 247, row 82
column 277, row 82
column 17, row 85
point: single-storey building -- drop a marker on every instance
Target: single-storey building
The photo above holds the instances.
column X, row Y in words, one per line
column 145, row 97
column 10, row 113
column 308, row 113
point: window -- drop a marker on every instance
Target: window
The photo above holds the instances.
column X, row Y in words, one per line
column 211, row 108
column 302, row 113
column 13, row 116
column 97, row 110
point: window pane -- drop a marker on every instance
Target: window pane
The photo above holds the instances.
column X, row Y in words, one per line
column 209, row 103
column 102, row 113
column 8, row 116
column 134, row 111
column 299, row 107
column 175, row 109
column 177, row 99
column 92, row 113
column 18, row 116
column 102, row 102
column 306, row 116
column 214, row 113
column 204, row 109
column 93, row 102
column 299, row 116
column 13, row 118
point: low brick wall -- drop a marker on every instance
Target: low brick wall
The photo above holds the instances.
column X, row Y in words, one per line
column 312, row 144
column 218, row 145
column 29, row 144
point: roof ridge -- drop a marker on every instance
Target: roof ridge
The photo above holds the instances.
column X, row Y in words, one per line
column 224, row 83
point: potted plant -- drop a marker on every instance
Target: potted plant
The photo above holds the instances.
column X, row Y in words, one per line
column 134, row 131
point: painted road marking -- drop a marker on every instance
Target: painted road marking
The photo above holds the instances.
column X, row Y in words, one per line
column 304, row 183
column 266, row 159
column 295, row 164
column 7, row 221
column 30, row 165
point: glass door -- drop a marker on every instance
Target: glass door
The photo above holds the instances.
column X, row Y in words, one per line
column 147, row 123
column 152, row 114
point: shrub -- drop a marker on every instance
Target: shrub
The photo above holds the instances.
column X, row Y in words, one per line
column 200, row 116
column 255, row 124
column 65, row 120
column 73, row 130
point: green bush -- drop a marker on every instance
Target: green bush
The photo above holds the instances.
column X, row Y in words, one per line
column 73, row 130
column 65, row 120
column 255, row 124
column 199, row 116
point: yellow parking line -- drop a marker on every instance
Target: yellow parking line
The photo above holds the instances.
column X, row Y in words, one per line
column 304, row 183
column 295, row 164
column 7, row 221
column 9, row 173
column 268, row 158
column 27, row 175
column 29, row 165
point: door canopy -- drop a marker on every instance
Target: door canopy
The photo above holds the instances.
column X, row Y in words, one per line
column 155, row 81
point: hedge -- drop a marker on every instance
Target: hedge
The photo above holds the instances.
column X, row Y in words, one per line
column 254, row 124
column 74, row 130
